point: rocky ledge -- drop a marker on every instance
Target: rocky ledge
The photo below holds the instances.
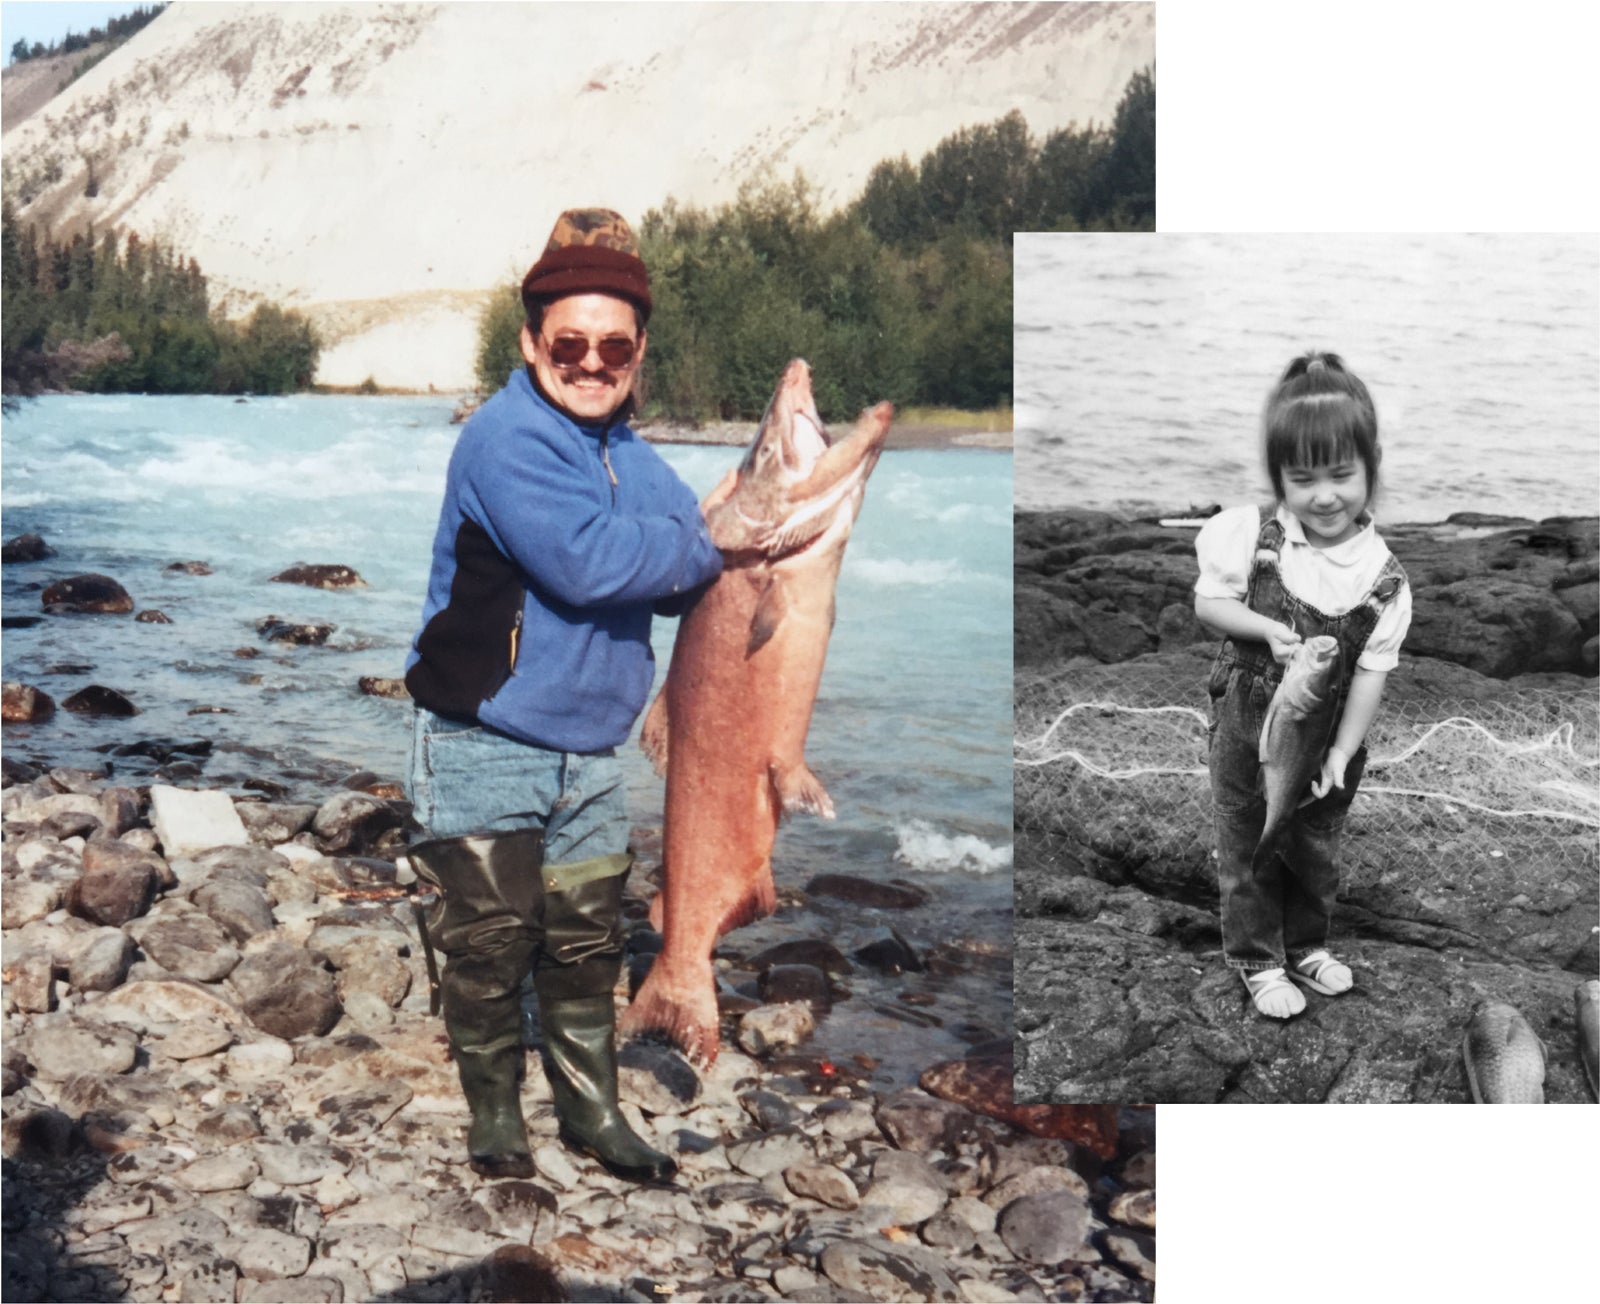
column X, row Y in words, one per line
column 1498, row 595
column 221, row 1082
column 1121, row 992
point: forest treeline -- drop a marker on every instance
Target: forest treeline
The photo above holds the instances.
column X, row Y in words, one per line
column 113, row 316
column 116, row 29
column 903, row 294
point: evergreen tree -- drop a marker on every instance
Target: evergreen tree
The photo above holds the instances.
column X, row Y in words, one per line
column 499, row 338
column 78, row 314
column 1131, row 161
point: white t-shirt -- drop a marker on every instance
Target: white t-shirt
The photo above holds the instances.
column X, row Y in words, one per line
column 1333, row 580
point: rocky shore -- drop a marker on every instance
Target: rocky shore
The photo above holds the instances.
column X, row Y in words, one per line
column 1121, row 993
column 221, row 1082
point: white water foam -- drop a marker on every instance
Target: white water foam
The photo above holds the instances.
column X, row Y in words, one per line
column 354, row 468
column 892, row 571
column 923, row 847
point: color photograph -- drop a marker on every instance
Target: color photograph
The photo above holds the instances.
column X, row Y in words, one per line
column 507, row 653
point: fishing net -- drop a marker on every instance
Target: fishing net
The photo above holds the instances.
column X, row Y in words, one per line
column 1478, row 776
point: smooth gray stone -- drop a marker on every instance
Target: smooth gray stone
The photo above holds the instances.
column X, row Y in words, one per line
column 1045, row 1228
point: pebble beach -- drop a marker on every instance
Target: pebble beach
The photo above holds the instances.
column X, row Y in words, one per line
column 222, row 1082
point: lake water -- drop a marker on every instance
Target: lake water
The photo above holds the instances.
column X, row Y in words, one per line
column 912, row 728
column 1143, row 363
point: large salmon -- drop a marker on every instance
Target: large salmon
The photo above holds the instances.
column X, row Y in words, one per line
column 1504, row 1057
column 729, row 726
column 1295, row 733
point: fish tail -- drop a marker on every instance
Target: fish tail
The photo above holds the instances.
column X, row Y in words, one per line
column 687, row 1017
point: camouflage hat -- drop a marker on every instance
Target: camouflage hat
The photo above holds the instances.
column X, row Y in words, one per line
column 590, row 251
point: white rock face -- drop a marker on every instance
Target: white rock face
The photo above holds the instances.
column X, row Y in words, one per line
column 187, row 821
column 383, row 167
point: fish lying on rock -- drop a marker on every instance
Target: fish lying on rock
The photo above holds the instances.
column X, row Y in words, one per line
column 729, row 726
column 1295, row 733
column 1504, row 1057
column 1586, row 1002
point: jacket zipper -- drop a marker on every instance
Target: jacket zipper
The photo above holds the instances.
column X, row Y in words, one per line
column 605, row 456
column 516, row 638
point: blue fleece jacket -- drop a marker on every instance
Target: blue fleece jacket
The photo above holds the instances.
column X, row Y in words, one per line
column 557, row 541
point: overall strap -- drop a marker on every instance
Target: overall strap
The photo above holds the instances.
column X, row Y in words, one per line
column 1269, row 538
column 1363, row 618
column 1269, row 544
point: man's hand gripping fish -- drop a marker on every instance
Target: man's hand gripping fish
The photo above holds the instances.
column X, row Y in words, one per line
column 729, row 726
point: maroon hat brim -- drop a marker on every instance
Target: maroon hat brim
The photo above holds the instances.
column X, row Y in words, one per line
column 589, row 269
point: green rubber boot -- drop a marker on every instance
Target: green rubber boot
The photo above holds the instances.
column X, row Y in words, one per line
column 485, row 923
column 577, row 972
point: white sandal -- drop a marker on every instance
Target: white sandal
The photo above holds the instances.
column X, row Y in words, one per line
column 1322, row 973
column 1274, row 995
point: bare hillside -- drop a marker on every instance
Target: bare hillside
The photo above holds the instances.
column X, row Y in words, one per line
column 27, row 87
column 383, row 166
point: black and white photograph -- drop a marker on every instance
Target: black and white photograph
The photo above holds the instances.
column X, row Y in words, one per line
column 1305, row 645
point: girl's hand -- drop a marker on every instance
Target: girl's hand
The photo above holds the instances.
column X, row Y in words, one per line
column 1332, row 776
column 1282, row 640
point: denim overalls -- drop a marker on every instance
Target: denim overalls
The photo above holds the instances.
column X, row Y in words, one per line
column 1281, row 914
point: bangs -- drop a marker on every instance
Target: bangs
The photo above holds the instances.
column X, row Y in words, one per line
column 1319, row 430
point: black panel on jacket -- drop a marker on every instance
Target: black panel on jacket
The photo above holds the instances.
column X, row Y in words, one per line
column 468, row 649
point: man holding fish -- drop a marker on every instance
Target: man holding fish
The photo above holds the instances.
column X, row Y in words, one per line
column 561, row 534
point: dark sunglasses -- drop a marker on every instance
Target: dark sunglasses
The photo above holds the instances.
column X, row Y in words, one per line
column 570, row 350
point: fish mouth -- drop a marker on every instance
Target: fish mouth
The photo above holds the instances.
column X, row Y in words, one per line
column 799, row 486
column 798, row 438
column 806, row 439
column 1322, row 648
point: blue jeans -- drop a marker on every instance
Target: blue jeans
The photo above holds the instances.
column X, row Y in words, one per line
column 1281, row 913
column 466, row 778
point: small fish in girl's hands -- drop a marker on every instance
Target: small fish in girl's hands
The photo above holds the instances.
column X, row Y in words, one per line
column 1295, row 733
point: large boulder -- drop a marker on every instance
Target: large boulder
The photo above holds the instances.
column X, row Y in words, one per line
column 99, row 594
column 97, row 699
column 24, row 704
column 1495, row 625
column 287, row 992
column 25, row 547
column 321, row 577
column 354, row 821
column 187, row 821
column 115, row 894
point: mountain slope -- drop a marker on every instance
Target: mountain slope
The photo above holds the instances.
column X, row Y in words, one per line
column 382, row 166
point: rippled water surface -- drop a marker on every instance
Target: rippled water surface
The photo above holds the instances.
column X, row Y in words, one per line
column 911, row 732
column 1142, row 364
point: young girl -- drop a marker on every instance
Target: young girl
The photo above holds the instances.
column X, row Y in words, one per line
column 1310, row 564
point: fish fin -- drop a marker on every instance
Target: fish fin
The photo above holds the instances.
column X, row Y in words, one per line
column 799, row 789
column 795, row 537
column 653, row 736
column 770, row 608
column 757, row 903
column 1263, row 748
